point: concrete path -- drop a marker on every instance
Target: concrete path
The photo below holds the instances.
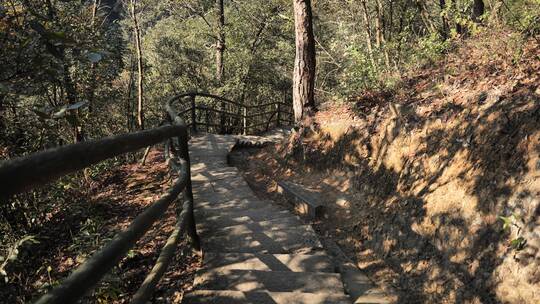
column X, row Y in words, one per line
column 254, row 252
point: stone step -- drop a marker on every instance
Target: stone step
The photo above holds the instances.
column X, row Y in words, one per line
column 257, row 214
column 232, row 185
column 239, row 218
column 275, row 224
column 210, row 196
column 208, row 162
column 235, row 203
column 299, row 239
column 205, row 157
column 281, row 281
column 317, row 262
column 205, row 168
column 262, row 297
column 360, row 288
column 220, row 210
column 213, row 145
column 233, row 182
column 202, row 175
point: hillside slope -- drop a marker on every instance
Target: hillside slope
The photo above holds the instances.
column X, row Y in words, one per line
column 421, row 179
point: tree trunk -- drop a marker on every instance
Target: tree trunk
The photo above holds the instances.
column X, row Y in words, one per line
column 71, row 95
column 92, row 86
column 95, row 7
column 390, row 26
column 304, row 64
column 2, row 110
column 379, row 27
column 445, row 26
column 426, row 19
column 246, row 77
column 458, row 25
column 378, row 21
column 478, row 10
column 140, row 76
column 369, row 37
column 129, row 112
column 220, row 44
column 220, row 50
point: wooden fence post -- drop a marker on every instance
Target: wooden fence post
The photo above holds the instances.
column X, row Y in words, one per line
column 244, row 129
column 193, row 114
column 278, row 122
column 207, row 119
column 188, row 191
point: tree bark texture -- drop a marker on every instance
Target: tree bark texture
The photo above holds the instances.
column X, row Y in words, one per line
column 220, row 50
column 444, row 19
column 140, row 76
column 367, row 27
column 478, row 10
column 129, row 111
column 95, row 8
column 220, row 44
column 304, row 64
column 379, row 28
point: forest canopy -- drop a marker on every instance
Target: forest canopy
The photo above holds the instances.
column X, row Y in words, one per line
column 69, row 68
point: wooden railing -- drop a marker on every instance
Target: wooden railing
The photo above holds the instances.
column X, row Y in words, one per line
column 216, row 114
column 28, row 172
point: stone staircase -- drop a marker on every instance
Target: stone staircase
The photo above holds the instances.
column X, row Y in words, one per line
column 254, row 252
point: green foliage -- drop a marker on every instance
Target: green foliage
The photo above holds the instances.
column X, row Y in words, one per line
column 109, row 290
column 89, row 237
column 359, row 73
column 519, row 242
column 180, row 52
column 507, row 222
column 523, row 15
column 430, row 48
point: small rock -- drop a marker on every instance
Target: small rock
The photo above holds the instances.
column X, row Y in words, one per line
column 482, row 97
column 343, row 202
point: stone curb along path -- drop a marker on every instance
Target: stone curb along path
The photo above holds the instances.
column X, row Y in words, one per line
column 254, row 251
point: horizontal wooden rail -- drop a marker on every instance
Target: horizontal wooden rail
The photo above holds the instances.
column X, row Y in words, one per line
column 165, row 257
column 288, row 113
column 220, row 98
column 261, row 124
column 261, row 114
column 91, row 272
column 25, row 173
column 193, row 94
column 22, row 174
column 218, row 111
column 183, row 112
column 209, row 124
column 237, row 119
column 269, row 104
column 28, row 172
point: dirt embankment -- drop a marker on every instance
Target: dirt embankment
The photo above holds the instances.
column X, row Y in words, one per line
column 417, row 179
